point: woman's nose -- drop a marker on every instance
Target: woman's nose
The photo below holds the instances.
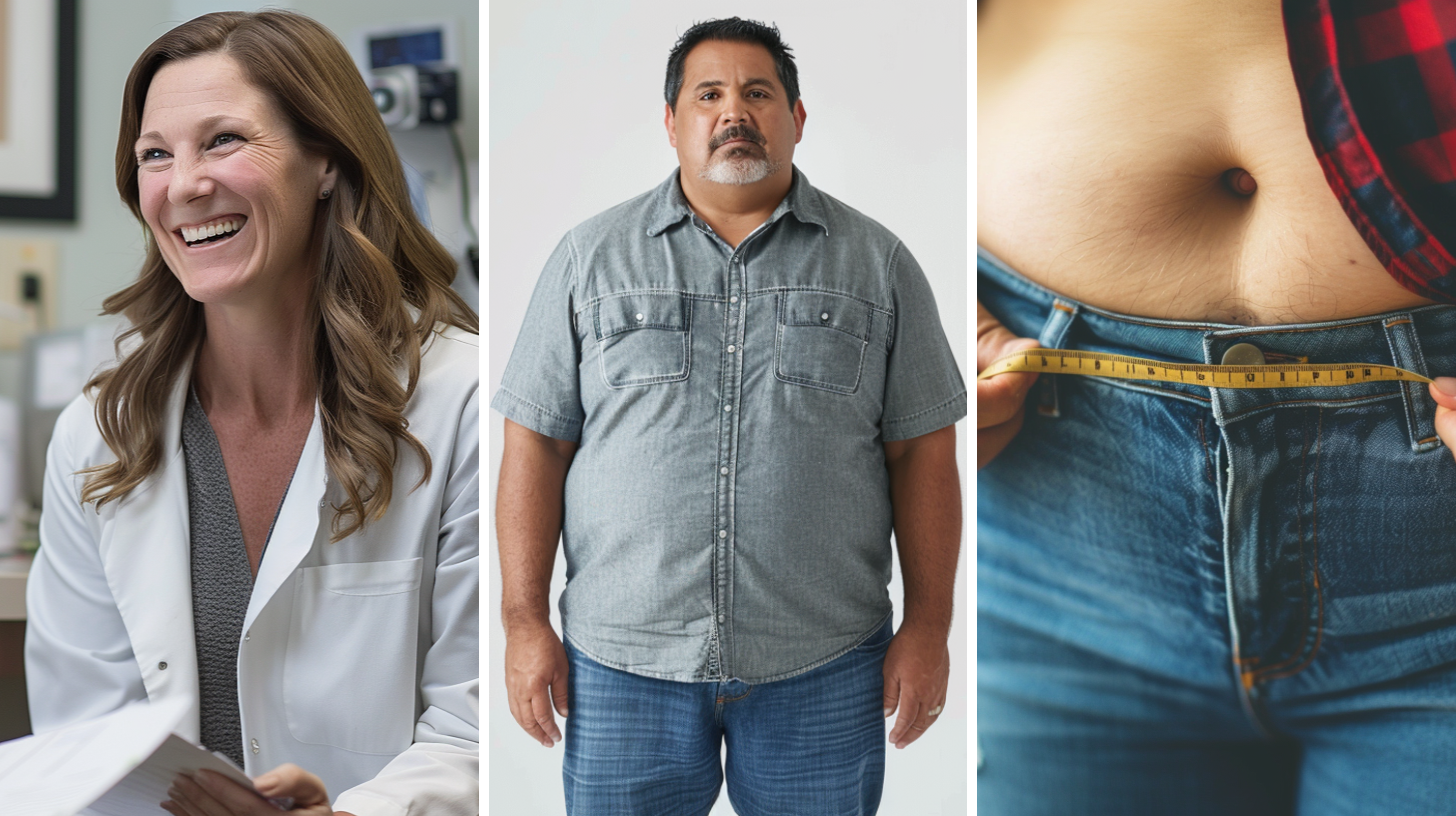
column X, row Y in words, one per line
column 190, row 180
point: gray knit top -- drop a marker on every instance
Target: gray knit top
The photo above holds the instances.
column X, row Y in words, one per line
column 222, row 582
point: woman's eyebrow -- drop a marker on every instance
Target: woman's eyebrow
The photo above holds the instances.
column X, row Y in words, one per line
column 204, row 124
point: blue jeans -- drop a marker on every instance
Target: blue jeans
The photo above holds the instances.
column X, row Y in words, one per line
column 1209, row 601
column 809, row 745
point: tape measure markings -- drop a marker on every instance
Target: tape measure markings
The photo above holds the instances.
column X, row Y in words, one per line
column 1122, row 367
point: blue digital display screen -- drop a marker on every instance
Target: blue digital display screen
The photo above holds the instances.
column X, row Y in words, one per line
column 408, row 49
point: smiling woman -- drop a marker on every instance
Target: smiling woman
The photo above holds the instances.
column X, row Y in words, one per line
column 288, row 445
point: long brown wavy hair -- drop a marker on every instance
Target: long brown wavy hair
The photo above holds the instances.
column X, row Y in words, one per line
column 376, row 261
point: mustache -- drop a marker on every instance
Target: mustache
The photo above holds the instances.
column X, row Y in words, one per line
column 747, row 132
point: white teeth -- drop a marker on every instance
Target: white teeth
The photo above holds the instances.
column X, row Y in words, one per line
column 194, row 234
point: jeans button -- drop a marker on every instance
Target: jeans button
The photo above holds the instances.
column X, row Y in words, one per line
column 1243, row 354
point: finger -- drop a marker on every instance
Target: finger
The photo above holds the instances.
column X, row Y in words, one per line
column 194, row 800
column 917, row 728
column 994, row 341
column 1446, row 427
column 1000, row 398
column 520, row 702
column 177, row 808
column 991, row 441
column 910, row 710
column 541, row 707
column 526, row 716
column 558, row 691
column 293, row 782
column 235, row 799
column 892, row 694
column 1443, row 391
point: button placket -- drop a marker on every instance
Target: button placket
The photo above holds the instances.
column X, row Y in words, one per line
column 731, row 391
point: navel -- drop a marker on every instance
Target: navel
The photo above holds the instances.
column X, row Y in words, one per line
column 1240, row 181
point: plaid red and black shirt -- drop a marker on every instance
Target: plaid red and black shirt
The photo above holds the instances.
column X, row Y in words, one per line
column 1377, row 80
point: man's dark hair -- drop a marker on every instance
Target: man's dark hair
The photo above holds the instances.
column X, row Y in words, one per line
column 732, row 29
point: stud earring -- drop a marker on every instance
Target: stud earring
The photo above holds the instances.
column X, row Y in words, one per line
column 326, row 193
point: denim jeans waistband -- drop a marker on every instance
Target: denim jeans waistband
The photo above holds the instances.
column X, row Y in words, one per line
column 1422, row 340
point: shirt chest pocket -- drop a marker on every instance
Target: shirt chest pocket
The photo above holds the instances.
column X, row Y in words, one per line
column 821, row 340
column 643, row 339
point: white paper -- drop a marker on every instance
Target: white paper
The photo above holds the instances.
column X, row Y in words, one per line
column 120, row 764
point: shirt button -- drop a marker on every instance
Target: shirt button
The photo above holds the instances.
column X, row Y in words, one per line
column 727, row 407
column 723, row 471
column 254, row 745
column 730, row 349
column 640, row 318
column 722, row 533
column 733, row 299
column 722, row 618
column 162, row 666
column 824, row 316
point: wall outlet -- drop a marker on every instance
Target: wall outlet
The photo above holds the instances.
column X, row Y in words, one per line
column 27, row 289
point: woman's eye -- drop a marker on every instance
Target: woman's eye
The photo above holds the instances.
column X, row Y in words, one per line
column 226, row 138
column 151, row 153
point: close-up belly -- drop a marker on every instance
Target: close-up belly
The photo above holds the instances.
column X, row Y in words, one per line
column 1151, row 158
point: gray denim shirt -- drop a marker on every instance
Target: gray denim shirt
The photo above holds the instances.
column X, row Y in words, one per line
column 728, row 510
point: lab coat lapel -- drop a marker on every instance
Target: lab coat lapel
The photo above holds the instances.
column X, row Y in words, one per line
column 148, row 562
column 297, row 524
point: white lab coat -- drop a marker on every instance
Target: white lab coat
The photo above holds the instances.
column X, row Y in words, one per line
column 360, row 658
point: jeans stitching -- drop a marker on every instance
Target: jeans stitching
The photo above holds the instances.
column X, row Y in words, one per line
column 1207, row 461
column 735, row 699
column 1303, row 584
column 1318, row 589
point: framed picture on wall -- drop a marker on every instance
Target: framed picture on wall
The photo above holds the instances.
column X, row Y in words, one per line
column 38, row 109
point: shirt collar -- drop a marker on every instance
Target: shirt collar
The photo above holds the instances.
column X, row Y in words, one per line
column 669, row 206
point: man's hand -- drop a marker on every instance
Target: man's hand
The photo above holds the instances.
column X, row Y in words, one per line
column 211, row 794
column 1443, row 391
column 536, row 680
column 999, row 399
column 917, row 669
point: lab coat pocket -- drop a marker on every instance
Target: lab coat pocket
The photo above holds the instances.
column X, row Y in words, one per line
column 349, row 675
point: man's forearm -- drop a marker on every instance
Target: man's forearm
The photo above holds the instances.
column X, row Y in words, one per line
column 529, row 508
column 925, row 495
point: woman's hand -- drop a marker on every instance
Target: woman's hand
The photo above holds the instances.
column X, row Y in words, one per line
column 999, row 399
column 1443, row 391
column 211, row 794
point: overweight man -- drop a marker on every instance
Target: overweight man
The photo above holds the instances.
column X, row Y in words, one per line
column 725, row 395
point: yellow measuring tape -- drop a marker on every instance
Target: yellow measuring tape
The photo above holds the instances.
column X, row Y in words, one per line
column 1117, row 366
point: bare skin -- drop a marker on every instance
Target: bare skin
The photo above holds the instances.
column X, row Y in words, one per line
column 1151, row 158
column 1106, row 132
column 925, row 495
column 528, row 516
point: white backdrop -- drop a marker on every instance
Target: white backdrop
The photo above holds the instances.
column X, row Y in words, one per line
column 575, row 126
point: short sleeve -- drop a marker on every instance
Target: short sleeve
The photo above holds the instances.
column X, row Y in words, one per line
column 924, row 391
column 540, row 389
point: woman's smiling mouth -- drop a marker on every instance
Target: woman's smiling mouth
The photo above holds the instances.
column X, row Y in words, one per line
column 211, row 232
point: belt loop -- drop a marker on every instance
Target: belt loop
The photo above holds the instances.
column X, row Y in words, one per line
column 1420, row 409
column 1053, row 336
